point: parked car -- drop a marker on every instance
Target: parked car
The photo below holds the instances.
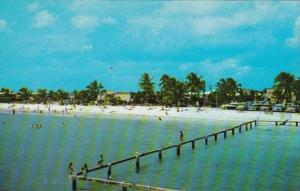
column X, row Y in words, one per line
column 291, row 109
column 278, row 108
column 241, row 108
column 228, row 107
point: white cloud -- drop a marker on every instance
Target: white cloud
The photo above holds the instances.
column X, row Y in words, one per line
column 43, row 19
column 33, row 6
column 183, row 67
column 91, row 22
column 84, row 21
column 3, row 24
column 212, row 23
column 222, row 68
column 295, row 40
column 108, row 21
column 87, row 47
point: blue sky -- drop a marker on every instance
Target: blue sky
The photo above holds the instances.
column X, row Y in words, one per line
column 67, row 44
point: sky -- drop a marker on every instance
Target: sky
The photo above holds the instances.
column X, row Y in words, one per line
column 67, row 44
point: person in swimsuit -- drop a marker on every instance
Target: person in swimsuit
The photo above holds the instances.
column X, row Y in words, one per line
column 181, row 138
column 70, row 168
column 101, row 161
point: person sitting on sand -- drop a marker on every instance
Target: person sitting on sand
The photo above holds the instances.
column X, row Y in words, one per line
column 181, row 138
column 70, row 168
column 101, row 161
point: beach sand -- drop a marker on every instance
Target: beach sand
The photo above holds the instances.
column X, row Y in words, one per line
column 150, row 111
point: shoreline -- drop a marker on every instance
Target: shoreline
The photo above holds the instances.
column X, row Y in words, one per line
column 147, row 111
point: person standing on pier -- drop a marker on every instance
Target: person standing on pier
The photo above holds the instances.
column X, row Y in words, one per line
column 181, row 137
column 101, row 161
column 70, row 168
column 85, row 170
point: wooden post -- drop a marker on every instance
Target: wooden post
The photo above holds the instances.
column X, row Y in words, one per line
column 216, row 137
column 240, row 129
column 255, row 123
column 275, row 123
column 109, row 172
column 159, row 155
column 137, row 163
column 251, row 125
column 296, row 123
column 246, row 126
column 232, row 131
column 124, row 188
column 193, row 144
column 178, row 150
column 74, row 184
column 225, row 135
column 206, row 141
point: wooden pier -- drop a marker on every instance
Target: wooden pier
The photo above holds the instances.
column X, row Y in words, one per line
column 281, row 123
column 242, row 127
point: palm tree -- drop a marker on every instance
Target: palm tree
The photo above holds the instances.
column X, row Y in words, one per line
column 25, row 94
column 165, row 90
column 6, row 95
column 172, row 91
column 62, row 95
column 41, row 95
column 52, row 95
column 227, row 90
column 195, row 85
column 94, row 89
column 147, row 87
column 284, row 85
column 297, row 89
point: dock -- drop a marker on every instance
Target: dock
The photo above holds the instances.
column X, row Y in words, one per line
column 178, row 148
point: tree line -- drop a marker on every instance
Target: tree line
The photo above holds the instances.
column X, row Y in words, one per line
column 172, row 92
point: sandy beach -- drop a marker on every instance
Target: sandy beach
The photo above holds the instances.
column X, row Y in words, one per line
column 150, row 111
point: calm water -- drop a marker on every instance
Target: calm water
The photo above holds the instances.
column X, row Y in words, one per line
column 265, row 158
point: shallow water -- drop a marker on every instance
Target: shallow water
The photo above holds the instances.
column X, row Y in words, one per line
column 265, row 158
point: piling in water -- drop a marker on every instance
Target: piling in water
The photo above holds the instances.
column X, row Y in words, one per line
column 137, row 164
column 159, row 155
column 193, row 144
column 225, row 134
column 109, row 172
column 74, row 184
column 178, row 150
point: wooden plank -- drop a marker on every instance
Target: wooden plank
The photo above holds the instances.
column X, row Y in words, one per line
column 124, row 160
column 168, row 147
column 123, row 184
column 149, row 153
